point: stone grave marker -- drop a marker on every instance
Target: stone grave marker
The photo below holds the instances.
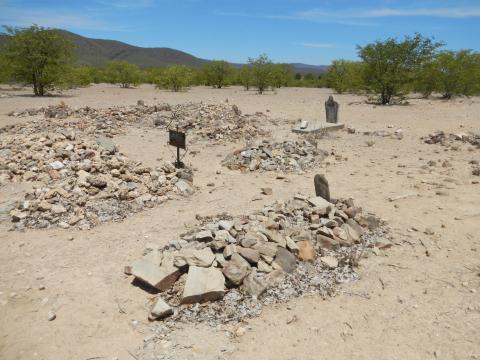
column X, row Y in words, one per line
column 331, row 110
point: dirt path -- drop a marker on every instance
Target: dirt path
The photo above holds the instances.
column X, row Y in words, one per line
column 417, row 300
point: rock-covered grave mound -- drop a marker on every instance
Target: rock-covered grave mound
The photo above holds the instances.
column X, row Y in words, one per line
column 220, row 122
column 227, row 268
column 78, row 182
column 286, row 156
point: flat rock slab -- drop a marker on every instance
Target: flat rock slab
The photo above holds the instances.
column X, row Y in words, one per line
column 154, row 275
column 203, row 284
column 193, row 257
column 317, row 126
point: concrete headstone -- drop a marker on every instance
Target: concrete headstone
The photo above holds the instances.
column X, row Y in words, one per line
column 331, row 110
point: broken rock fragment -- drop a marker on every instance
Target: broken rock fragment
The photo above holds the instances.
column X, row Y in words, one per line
column 160, row 278
column 329, row 261
column 306, row 251
column 253, row 284
column 286, row 260
column 251, row 255
column 160, row 310
column 193, row 257
column 203, row 284
column 236, row 269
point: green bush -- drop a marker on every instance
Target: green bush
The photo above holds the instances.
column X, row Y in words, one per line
column 345, row 75
column 390, row 65
column 37, row 56
column 216, row 73
column 282, row 75
column 457, row 73
column 175, row 78
column 122, row 73
column 245, row 76
column 262, row 69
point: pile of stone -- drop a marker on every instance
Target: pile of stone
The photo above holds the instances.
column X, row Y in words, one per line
column 475, row 167
column 397, row 134
column 205, row 121
column 442, row 138
column 109, row 122
column 288, row 249
column 213, row 121
column 81, row 183
column 60, row 111
column 286, row 156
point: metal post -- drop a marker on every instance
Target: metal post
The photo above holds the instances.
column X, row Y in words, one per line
column 178, row 162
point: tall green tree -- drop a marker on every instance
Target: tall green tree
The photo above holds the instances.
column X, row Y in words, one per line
column 123, row 73
column 216, row 73
column 175, row 78
column 262, row 68
column 390, row 65
column 37, row 56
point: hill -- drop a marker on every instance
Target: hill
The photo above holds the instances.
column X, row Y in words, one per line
column 97, row 52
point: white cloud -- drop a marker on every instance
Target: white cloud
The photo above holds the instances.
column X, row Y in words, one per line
column 54, row 19
column 360, row 17
column 459, row 12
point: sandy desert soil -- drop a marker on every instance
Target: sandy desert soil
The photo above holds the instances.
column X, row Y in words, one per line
column 417, row 300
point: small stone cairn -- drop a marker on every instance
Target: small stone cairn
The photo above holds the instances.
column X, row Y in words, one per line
column 442, row 138
column 286, row 156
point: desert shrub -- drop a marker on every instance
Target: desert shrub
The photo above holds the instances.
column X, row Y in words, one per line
column 5, row 70
column 175, row 78
column 426, row 79
column 390, row 65
column 261, row 68
column 245, row 76
column 282, row 75
column 37, row 56
column 123, row 73
column 457, row 73
column 76, row 76
column 216, row 73
column 345, row 75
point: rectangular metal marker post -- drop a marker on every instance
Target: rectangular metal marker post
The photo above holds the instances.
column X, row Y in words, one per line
column 177, row 139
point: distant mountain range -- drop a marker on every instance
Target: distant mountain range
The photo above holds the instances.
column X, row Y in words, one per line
column 97, row 52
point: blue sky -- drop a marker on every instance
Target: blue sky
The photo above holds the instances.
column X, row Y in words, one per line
column 313, row 32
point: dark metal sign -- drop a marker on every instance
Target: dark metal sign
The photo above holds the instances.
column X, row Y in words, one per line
column 177, row 139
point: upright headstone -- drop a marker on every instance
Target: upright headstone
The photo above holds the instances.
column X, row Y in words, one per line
column 331, row 110
column 321, row 187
